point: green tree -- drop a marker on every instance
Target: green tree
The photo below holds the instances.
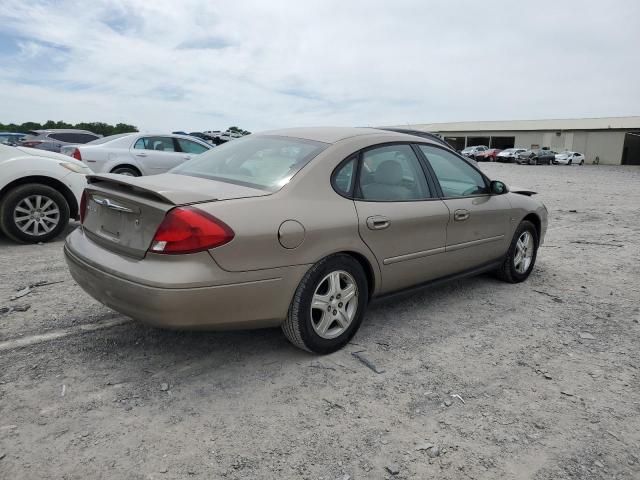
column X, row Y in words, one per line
column 100, row 128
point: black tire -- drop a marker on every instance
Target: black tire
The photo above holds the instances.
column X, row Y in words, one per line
column 507, row 270
column 570, row 162
column 581, row 162
column 15, row 196
column 298, row 326
column 130, row 171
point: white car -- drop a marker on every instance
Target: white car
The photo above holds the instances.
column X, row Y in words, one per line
column 39, row 192
column 471, row 151
column 510, row 154
column 569, row 158
column 137, row 154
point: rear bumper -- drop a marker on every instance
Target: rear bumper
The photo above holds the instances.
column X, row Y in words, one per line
column 231, row 299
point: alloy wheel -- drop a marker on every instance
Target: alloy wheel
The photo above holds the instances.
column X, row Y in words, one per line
column 524, row 252
column 334, row 304
column 36, row 215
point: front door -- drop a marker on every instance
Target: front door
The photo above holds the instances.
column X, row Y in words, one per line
column 400, row 217
column 479, row 221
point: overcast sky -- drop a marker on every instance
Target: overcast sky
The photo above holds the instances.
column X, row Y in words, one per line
column 200, row 65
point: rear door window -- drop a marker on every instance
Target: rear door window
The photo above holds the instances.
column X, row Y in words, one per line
column 63, row 137
column 163, row 144
column 392, row 173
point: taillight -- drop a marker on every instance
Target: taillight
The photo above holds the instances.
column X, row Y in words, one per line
column 83, row 206
column 30, row 143
column 189, row 230
column 76, row 154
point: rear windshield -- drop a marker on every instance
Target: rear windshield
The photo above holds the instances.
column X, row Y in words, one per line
column 100, row 141
column 258, row 161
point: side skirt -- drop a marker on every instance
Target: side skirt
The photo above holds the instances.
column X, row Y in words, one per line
column 486, row 267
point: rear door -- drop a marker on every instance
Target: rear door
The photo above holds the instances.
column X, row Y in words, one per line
column 478, row 222
column 157, row 154
column 400, row 217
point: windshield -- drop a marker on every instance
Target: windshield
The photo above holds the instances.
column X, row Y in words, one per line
column 264, row 162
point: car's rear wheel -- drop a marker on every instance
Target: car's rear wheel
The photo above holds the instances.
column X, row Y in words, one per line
column 129, row 171
column 581, row 162
column 328, row 305
column 569, row 162
column 33, row 213
column 522, row 254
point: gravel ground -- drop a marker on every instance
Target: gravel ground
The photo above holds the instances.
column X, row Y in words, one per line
column 537, row 380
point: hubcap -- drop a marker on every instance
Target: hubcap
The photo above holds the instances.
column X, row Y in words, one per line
column 334, row 304
column 524, row 252
column 36, row 215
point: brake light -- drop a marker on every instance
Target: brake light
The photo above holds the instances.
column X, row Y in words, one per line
column 189, row 230
column 76, row 154
column 83, row 206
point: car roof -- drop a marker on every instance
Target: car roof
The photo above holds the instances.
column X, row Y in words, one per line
column 327, row 134
column 63, row 130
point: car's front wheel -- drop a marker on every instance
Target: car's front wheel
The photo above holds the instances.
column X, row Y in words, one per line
column 522, row 254
column 328, row 305
column 33, row 213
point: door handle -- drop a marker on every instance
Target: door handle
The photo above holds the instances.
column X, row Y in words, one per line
column 187, row 157
column 461, row 215
column 141, row 154
column 377, row 222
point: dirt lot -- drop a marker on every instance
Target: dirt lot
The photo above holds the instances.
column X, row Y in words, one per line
column 538, row 380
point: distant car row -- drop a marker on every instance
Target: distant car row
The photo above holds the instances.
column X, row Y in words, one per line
column 53, row 140
column 537, row 156
column 215, row 137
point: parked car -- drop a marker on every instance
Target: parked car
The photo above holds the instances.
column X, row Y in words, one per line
column 298, row 228
column 11, row 138
column 537, row 157
column 569, row 158
column 213, row 140
column 53, row 140
column 472, row 151
column 39, row 192
column 488, row 155
column 137, row 154
column 510, row 154
column 429, row 136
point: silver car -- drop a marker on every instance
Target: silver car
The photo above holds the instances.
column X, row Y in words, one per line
column 54, row 139
column 137, row 154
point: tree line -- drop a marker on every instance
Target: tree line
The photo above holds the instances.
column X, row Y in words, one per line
column 100, row 128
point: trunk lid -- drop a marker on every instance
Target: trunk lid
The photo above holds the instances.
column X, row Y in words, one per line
column 123, row 213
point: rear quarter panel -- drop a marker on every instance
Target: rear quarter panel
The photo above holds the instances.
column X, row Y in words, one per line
column 330, row 221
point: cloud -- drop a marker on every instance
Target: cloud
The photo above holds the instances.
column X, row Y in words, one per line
column 206, row 65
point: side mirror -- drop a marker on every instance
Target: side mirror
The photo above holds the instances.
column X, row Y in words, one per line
column 497, row 187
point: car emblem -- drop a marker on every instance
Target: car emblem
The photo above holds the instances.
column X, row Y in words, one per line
column 106, row 202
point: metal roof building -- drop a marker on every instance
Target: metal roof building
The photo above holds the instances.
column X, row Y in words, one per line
column 607, row 140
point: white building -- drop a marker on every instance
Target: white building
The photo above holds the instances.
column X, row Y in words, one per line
column 608, row 140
